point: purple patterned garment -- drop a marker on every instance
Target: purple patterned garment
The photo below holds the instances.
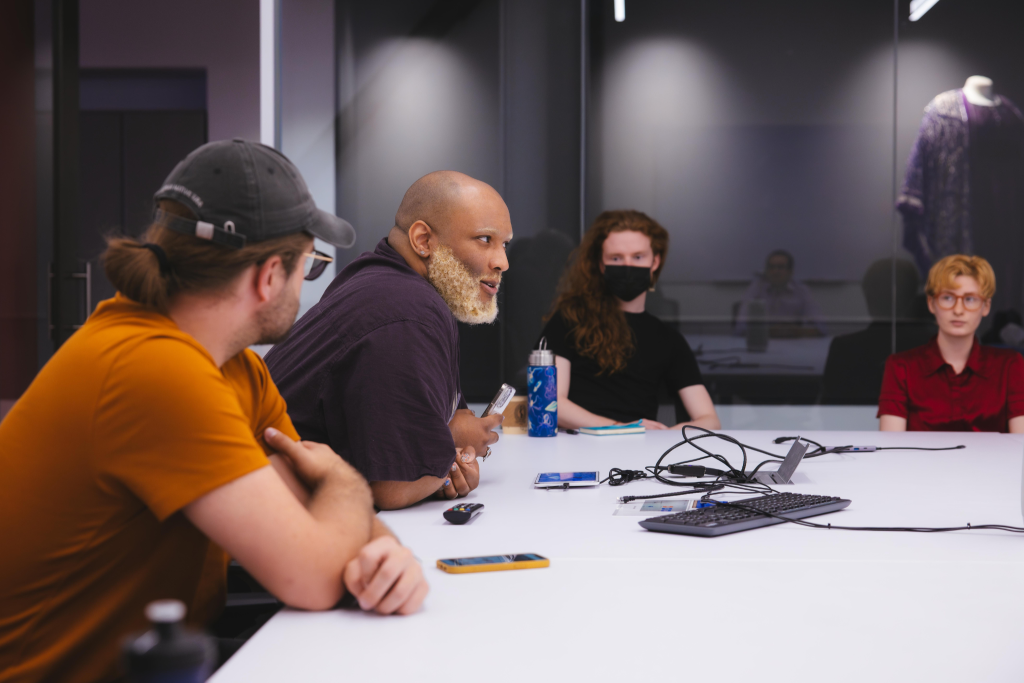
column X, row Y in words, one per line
column 936, row 196
column 947, row 205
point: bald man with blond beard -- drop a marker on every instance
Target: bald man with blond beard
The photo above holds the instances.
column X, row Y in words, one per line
column 373, row 368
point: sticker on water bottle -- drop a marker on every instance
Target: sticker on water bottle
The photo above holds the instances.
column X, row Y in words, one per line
column 542, row 411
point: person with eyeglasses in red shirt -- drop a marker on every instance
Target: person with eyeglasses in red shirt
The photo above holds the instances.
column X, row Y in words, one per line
column 953, row 383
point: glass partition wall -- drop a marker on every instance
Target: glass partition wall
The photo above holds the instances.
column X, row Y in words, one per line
column 761, row 136
column 774, row 141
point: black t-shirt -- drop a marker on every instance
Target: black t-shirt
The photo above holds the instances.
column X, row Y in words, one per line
column 661, row 360
column 373, row 370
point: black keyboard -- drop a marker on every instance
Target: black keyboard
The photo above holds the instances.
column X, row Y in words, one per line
column 726, row 519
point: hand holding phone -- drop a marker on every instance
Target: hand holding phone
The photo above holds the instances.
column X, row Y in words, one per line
column 500, row 401
column 470, row 431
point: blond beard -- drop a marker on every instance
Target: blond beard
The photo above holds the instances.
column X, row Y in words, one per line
column 459, row 288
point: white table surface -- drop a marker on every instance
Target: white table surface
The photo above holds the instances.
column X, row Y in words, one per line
column 621, row 603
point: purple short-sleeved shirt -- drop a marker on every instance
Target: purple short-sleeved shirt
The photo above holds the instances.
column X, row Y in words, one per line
column 373, row 370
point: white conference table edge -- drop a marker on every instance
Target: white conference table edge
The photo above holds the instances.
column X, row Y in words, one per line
column 916, row 571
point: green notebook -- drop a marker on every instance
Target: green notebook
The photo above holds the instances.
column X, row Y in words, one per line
column 615, row 430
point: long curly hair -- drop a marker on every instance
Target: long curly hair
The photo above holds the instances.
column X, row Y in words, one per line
column 596, row 323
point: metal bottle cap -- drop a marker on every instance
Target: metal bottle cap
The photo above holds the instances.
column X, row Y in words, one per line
column 165, row 611
column 542, row 355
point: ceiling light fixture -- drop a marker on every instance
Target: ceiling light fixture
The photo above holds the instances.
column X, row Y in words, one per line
column 620, row 9
column 918, row 8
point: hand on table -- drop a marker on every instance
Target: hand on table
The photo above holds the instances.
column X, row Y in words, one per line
column 386, row 578
column 652, row 424
column 470, row 431
column 464, row 475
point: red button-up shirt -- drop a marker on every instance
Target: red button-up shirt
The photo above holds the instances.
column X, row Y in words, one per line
column 922, row 387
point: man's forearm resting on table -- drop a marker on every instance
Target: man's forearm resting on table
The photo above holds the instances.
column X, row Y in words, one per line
column 298, row 552
column 395, row 495
column 381, row 529
column 302, row 493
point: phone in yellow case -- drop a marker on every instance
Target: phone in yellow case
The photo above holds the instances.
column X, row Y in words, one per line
column 492, row 563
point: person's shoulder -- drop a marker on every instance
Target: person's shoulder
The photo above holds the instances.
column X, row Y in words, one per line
column 164, row 356
column 556, row 320
column 919, row 354
column 661, row 328
column 248, row 365
column 800, row 287
column 1001, row 355
column 557, row 332
column 160, row 376
column 556, row 324
column 127, row 332
column 758, row 284
column 381, row 288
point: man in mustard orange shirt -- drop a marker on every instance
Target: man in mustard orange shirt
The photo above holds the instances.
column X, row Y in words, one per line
column 137, row 461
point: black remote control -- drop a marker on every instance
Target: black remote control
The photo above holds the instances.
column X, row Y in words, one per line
column 462, row 513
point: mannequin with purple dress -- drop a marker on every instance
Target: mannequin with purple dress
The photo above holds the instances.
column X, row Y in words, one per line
column 964, row 187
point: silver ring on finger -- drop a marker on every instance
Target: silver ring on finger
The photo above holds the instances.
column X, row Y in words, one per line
column 486, row 454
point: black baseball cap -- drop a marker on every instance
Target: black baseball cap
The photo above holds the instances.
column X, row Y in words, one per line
column 243, row 191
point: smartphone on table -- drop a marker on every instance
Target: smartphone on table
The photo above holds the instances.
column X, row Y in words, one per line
column 492, row 563
column 564, row 480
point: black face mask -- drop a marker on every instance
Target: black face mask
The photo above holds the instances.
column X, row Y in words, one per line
column 627, row 282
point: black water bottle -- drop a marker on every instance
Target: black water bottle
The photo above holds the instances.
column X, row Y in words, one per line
column 168, row 653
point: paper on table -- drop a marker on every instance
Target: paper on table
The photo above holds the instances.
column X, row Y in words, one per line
column 653, row 508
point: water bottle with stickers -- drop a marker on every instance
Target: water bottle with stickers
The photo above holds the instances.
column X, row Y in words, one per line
column 542, row 392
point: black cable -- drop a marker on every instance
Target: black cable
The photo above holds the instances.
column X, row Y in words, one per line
column 730, row 472
column 618, row 477
column 839, row 449
column 705, row 487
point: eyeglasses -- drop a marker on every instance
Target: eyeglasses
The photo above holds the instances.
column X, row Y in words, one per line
column 947, row 301
column 315, row 264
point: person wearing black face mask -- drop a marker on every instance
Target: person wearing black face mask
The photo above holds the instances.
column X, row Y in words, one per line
column 614, row 359
column 626, row 283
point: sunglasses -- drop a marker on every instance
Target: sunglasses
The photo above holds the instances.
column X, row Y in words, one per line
column 315, row 264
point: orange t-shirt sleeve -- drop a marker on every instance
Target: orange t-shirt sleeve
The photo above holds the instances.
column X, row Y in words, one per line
column 272, row 410
column 171, row 426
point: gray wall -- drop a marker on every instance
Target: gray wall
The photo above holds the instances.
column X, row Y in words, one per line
column 746, row 129
column 222, row 37
column 411, row 104
column 307, row 110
